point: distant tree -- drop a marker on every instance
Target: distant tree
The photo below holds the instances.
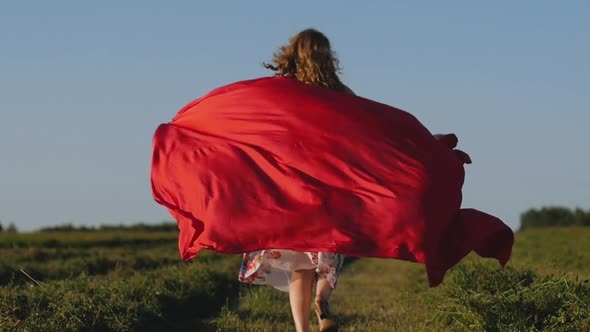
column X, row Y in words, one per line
column 138, row 227
column 68, row 228
column 554, row 216
column 11, row 228
column 1, row 228
column 582, row 218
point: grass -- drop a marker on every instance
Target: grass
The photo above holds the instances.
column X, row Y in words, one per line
column 482, row 298
column 554, row 251
column 543, row 288
column 124, row 281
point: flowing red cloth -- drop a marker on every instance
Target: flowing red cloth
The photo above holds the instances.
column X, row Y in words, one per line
column 275, row 163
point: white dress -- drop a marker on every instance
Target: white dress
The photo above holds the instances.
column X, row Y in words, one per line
column 273, row 267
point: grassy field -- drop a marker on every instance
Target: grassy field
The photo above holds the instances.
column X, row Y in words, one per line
column 134, row 281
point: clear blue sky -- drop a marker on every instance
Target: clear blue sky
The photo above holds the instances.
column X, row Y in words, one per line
column 83, row 86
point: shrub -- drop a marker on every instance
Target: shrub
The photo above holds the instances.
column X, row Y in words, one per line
column 482, row 298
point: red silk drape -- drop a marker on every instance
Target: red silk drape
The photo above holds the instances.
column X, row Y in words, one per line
column 274, row 163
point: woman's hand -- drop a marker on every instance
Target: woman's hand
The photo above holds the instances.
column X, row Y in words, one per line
column 463, row 157
column 451, row 141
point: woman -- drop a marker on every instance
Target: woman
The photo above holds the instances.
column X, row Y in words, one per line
column 307, row 58
column 246, row 168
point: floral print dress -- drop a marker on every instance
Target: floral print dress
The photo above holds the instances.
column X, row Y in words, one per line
column 273, row 266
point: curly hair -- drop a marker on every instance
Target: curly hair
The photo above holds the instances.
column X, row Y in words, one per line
column 308, row 58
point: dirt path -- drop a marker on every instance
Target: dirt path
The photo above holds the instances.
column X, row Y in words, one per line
column 372, row 295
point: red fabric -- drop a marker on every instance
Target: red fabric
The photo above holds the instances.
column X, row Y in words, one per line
column 274, row 163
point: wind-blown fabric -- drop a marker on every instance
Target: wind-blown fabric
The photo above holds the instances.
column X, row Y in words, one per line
column 274, row 163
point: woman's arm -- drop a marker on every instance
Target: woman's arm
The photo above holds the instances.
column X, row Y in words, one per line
column 451, row 141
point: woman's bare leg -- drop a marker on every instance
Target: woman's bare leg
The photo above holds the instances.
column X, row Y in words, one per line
column 323, row 292
column 323, row 289
column 300, row 290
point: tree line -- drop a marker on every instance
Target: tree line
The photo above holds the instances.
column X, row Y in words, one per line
column 11, row 228
column 549, row 216
column 554, row 216
column 138, row 227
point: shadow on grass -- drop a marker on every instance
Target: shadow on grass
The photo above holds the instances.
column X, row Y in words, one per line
column 349, row 260
column 200, row 312
column 192, row 312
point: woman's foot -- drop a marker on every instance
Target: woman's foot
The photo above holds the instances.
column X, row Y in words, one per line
column 327, row 324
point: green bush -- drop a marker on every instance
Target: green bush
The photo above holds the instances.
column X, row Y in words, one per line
column 554, row 216
column 485, row 298
column 172, row 297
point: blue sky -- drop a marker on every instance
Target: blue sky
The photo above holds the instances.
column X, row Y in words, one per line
column 83, row 86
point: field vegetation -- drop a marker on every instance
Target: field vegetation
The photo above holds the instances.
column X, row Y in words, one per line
column 133, row 280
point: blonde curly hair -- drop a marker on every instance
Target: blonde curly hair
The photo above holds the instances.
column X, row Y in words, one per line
column 308, row 58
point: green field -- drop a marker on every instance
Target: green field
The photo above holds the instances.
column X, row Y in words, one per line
column 135, row 281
